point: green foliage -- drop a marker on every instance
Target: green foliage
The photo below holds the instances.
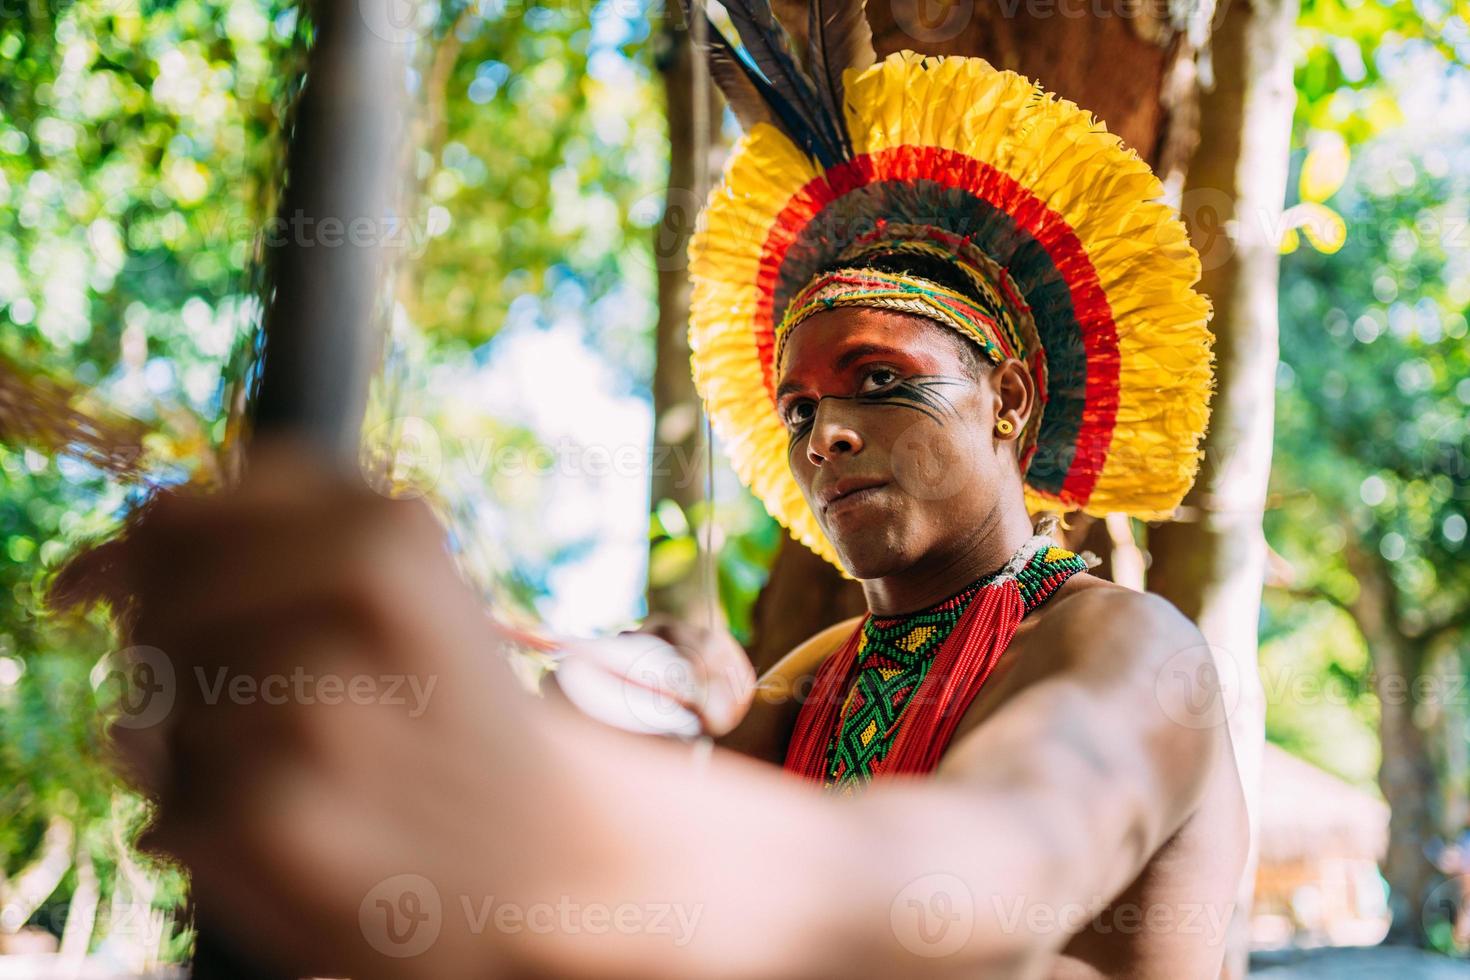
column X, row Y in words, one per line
column 1372, row 451
column 1372, row 394
column 140, row 151
column 542, row 171
column 137, row 154
column 1340, row 72
column 746, row 539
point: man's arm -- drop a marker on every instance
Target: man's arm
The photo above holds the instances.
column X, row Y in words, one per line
column 1050, row 807
column 536, row 842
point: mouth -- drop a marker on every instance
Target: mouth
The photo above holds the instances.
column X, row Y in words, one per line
column 848, row 495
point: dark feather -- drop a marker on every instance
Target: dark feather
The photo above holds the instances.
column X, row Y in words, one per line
column 770, row 48
column 838, row 37
column 742, row 86
column 753, row 98
column 741, row 91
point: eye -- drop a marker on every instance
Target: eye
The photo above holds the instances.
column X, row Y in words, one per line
column 877, row 379
column 799, row 412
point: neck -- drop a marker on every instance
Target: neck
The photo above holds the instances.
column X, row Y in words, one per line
column 936, row 577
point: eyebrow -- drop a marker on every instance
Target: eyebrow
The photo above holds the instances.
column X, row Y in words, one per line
column 844, row 361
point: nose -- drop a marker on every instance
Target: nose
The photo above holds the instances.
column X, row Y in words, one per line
column 832, row 433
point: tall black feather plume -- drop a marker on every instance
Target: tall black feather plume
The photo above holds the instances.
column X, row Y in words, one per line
column 770, row 48
column 753, row 98
column 740, row 85
column 838, row 37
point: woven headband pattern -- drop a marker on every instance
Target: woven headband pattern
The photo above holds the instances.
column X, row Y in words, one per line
column 992, row 327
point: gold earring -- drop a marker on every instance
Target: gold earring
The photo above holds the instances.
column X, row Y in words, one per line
column 1004, row 426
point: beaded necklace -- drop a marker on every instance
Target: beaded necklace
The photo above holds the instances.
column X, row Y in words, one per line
column 890, row 699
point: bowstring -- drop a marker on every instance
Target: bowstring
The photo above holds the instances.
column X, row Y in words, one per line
column 701, row 138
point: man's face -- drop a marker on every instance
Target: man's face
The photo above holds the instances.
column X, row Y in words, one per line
column 891, row 437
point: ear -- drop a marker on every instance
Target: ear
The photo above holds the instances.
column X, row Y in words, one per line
column 1014, row 393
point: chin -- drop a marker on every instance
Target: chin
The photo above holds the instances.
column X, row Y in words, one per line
column 873, row 555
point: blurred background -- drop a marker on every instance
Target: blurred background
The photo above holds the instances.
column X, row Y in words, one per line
column 535, row 384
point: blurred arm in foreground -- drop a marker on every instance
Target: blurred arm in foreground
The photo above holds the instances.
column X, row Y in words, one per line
column 356, row 782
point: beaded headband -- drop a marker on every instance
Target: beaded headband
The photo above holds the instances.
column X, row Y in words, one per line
column 993, row 329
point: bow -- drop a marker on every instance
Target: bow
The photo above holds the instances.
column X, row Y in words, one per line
column 325, row 267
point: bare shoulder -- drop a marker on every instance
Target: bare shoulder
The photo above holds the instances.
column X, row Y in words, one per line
column 1118, row 679
column 1128, row 660
column 1094, row 623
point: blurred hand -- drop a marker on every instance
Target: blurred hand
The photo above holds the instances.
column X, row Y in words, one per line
column 722, row 677
column 666, row 678
column 338, row 716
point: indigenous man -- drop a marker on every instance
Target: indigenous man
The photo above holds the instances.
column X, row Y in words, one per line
column 913, row 324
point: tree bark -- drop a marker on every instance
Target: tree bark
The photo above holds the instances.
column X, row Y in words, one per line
column 677, row 435
column 1406, row 774
column 1212, row 564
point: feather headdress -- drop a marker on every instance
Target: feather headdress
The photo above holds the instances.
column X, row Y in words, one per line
column 954, row 157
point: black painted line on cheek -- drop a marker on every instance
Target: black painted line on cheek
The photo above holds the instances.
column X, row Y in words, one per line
column 920, row 394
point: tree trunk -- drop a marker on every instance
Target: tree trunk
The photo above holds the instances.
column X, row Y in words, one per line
column 1212, row 564
column 677, row 435
column 1406, row 774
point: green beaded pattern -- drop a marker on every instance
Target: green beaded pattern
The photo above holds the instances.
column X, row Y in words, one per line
column 894, row 655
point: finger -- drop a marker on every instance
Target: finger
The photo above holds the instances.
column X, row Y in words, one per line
column 285, row 478
column 729, row 683
column 723, row 674
column 237, row 848
column 283, row 469
column 636, row 682
column 264, row 653
column 98, row 572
